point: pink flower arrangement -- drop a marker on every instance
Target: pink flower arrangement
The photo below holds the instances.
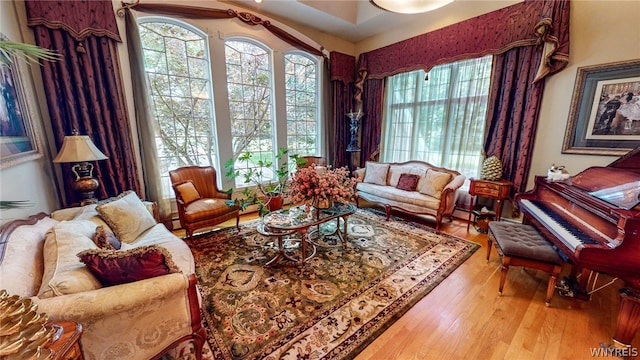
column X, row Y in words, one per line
column 311, row 186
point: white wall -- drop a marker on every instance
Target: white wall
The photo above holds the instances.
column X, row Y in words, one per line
column 32, row 180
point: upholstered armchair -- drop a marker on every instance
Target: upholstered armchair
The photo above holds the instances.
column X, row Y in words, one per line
column 200, row 202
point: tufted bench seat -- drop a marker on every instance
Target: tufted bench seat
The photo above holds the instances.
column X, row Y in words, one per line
column 522, row 245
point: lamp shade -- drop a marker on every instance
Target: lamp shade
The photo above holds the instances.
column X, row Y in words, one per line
column 410, row 6
column 78, row 148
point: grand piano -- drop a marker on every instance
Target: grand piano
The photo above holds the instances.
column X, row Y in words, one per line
column 593, row 219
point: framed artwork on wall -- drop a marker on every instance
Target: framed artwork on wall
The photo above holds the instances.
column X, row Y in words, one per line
column 604, row 118
column 18, row 140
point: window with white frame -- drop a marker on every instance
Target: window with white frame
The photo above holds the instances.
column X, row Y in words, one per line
column 301, row 82
column 249, row 83
column 261, row 109
column 176, row 60
column 438, row 117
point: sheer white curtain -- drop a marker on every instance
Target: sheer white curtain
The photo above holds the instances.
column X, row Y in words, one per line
column 438, row 117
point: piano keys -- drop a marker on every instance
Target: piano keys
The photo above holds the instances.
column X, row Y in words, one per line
column 593, row 219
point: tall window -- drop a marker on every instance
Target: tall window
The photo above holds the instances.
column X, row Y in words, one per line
column 177, row 66
column 264, row 113
column 250, row 103
column 439, row 119
column 301, row 81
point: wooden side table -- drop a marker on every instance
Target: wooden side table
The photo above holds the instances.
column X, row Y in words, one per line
column 493, row 189
column 67, row 346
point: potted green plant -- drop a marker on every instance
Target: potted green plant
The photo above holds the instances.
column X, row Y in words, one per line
column 266, row 185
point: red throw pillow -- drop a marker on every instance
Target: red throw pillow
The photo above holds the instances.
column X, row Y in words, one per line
column 120, row 267
column 408, row 182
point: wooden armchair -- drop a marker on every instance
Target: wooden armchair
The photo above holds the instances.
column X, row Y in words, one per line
column 200, row 202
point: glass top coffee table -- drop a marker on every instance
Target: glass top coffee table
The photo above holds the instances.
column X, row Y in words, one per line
column 293, row 227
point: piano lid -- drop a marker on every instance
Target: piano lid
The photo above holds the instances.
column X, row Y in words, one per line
column 625, row 196
column 630, row 161
column 618, row 183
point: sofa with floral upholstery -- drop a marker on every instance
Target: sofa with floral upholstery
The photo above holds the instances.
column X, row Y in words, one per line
column 415, row 187
column 112, row 268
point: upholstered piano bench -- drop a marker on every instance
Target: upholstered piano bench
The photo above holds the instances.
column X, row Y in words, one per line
column 522, row 245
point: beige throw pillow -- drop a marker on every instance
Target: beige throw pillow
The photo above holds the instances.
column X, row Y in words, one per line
column 376, row 173
column 187, row 192
column 127, row 216
column 63, row 273
column 434, row 182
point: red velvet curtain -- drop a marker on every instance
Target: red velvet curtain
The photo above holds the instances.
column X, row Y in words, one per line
column 83, row 89
column 513, row 113
column 373, row 98
column 517, row 86
column 341, row 74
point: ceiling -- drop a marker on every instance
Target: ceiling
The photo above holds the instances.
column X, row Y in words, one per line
column 358, row 20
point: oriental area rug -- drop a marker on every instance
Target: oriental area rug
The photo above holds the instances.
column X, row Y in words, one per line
column 330, row 308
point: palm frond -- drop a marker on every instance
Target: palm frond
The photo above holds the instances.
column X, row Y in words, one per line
column 10, row 50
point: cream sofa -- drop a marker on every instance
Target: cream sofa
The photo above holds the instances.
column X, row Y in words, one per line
column 143, row 319
column 414, row 187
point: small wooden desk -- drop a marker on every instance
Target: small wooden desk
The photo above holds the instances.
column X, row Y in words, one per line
column 493, row 189
column 67, row 346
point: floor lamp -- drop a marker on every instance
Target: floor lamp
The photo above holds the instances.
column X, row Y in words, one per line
column 80, row 149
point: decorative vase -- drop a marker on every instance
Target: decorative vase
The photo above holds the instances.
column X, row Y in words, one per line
column 274, row 203
column 491, row 169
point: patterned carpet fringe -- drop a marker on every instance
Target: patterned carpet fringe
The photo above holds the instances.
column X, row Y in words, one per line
column 331, row 308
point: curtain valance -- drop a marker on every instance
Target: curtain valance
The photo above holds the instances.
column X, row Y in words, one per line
column 531, row 23
column 79, row 18
column 342, row 67
column 193, row 12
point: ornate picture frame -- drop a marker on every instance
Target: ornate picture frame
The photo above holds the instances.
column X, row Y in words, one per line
column 602, row 118
column 18, row 138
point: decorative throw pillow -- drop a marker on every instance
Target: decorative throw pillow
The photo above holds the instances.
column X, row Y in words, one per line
column 126, row 215
column 408, row 182
column 63, row 273
column 187, row 192
column 121, row 267
column 105, row 239
column 376, row 173
column 434, row 182
column 395, row 171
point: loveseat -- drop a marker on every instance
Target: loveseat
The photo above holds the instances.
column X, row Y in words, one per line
column 144, row 314
column 413, row 187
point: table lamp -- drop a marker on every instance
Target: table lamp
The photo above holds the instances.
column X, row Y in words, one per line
column 80, row 149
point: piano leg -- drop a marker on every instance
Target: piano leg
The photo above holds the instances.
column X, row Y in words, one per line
column 628, row 316
column 577, row 285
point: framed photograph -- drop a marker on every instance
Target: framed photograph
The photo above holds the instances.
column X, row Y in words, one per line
column 604, row 118
column 18, row 140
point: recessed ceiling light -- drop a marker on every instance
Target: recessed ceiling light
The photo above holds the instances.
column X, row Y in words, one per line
column 409, row 6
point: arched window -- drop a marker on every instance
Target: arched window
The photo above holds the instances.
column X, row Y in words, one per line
column 176, row 61
column 250, row 88
column 267, row 97
column 302, row 98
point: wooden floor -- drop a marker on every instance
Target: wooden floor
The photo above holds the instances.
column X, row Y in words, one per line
column 465, row 318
